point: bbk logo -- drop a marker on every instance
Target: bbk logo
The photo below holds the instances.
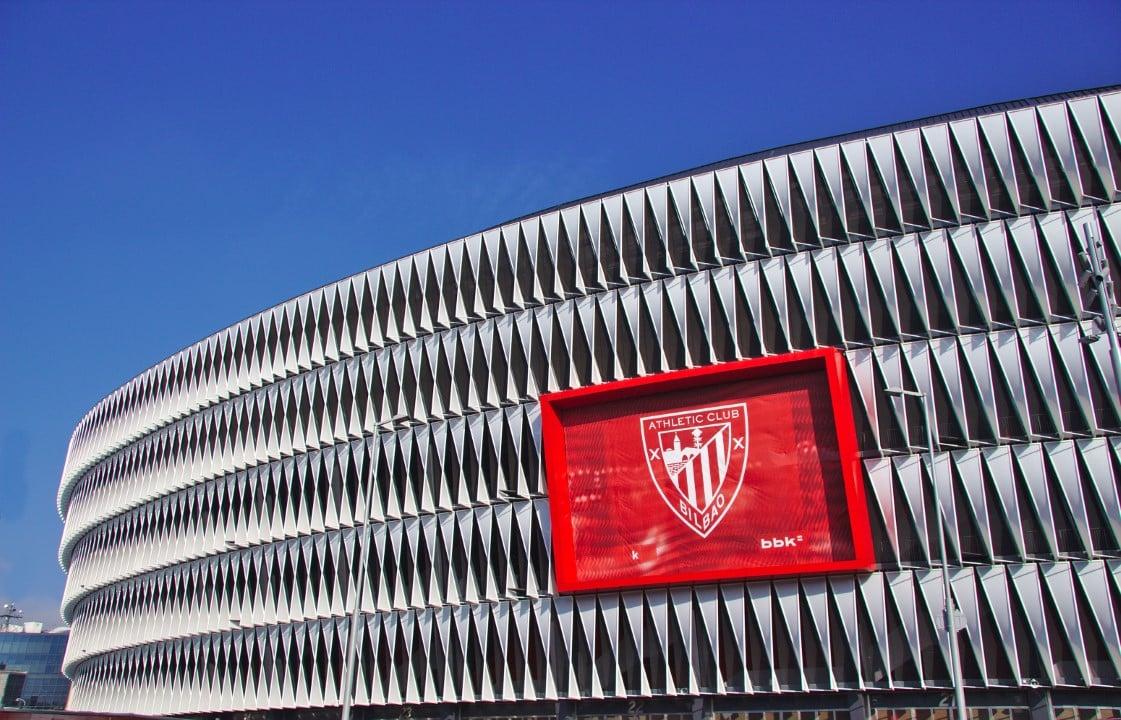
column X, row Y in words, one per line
column 697, row 460
column 780, row 542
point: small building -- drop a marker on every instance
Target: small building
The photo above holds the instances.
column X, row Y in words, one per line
column 25, row 649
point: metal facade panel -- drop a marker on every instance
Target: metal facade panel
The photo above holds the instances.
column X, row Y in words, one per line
column 214, row 505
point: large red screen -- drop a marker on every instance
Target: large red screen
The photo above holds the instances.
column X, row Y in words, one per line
column 737, row 470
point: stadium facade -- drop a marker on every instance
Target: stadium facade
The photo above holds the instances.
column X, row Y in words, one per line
column 215, row 505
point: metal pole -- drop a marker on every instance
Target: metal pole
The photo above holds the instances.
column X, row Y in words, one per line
column 948, row 616
column 947, row 602
column 350, row 660
column 8, row 613
column 1103, row 286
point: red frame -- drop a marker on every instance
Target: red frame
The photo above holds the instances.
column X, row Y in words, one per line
column 829, row 360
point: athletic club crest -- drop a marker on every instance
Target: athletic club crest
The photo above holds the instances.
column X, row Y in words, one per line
column 697, row 460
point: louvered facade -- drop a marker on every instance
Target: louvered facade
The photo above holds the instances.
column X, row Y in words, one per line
column 214, row 504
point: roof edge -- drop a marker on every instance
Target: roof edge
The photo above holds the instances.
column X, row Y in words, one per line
column 778, row 151
column 978, row 111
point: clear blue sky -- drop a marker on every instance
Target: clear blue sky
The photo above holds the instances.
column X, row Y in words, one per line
column 167, row 168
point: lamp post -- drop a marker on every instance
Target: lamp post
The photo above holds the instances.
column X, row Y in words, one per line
column 1096, row 278
column 949, row 619
column 350, row 661
column 9, row 613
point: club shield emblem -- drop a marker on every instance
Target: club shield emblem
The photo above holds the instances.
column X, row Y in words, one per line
column 696, row 459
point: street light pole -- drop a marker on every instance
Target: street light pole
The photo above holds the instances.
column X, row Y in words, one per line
column 350, row 660
column 8, row 613
column 948, row 616
column 1096, row 276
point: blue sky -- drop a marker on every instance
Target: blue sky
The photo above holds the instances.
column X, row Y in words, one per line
column 167, row 168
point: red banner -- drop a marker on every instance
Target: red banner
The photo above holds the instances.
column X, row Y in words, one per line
column 740, row 470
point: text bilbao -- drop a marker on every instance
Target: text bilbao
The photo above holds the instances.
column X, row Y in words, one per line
column 737, row 477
